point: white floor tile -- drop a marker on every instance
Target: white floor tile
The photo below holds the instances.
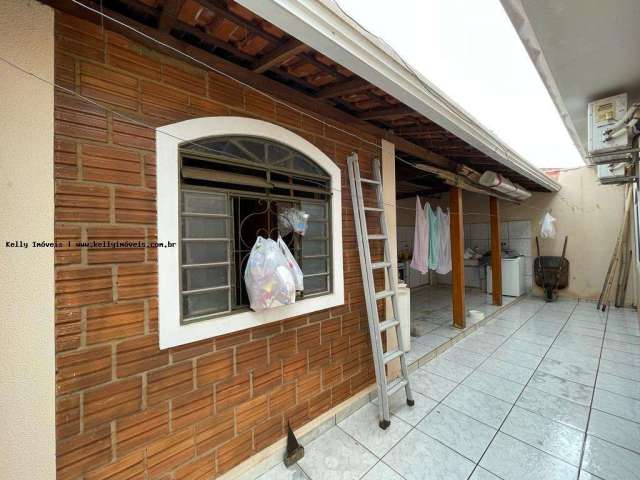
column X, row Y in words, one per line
column 431, row 385
column 554, row 407
column 420, row 457
column 363, row 425
column 551, row 437
column 619, row 431
column 609, row 461
column 476, row 404
column 512, row 459
column 382, row 471
column 458, row 431
column 618, row 405
column 575, row 392
column 335, row 455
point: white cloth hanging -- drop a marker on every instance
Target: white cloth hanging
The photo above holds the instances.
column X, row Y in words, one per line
column 444, row 237
column 434, row 239
column 420, row 260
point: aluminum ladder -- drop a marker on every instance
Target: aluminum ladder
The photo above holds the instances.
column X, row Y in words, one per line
column 380, row 358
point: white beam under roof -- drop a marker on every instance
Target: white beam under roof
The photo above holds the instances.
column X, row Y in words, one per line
column 323, row 26
column 583, row 51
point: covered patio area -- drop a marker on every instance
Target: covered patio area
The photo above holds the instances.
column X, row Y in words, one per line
column 540, row 391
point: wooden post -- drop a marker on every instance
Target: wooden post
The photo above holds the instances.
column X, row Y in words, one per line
column 457, row 256
column 496, row 251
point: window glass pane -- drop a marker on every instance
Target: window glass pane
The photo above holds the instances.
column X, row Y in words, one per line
column 204, row 252
column 314, row 265
column 204, row 227
column 277, row 154
column 206, row 303
column 315, row 284
column 316, row 229
column 205, row 277
column 256, row 150
column 305, row 165
column 316, row 211
column 313, row 247
column 196, row 202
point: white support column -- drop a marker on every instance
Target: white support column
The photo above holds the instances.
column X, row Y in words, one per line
column 388, row 162
column 27, row 296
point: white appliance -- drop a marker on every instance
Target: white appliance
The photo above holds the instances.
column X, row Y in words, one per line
column 513, row 281
column 602, row 115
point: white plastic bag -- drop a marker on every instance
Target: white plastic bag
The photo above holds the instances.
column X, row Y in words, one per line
column 267, row 276
column 547, row 226
column 296, row 271
column 292, row 219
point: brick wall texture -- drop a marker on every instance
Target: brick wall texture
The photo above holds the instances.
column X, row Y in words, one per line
column 125, row 409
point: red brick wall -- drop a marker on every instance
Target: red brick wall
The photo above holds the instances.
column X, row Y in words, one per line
column 124, row 407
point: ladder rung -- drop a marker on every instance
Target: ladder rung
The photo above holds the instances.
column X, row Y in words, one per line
column 387, row 324
column 392, row 355
column 384, row 294
column 373, row 209
column 377, row 265
column 396, row 385
column 369, row 180
column 377, row 236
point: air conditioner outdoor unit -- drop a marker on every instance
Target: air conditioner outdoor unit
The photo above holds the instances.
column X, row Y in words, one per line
column 602, row 115
column 611, row 172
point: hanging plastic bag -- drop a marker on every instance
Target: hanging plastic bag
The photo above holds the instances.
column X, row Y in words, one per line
column 296, row 271
column 267, row 276
column 292, row 219
column 547, row 226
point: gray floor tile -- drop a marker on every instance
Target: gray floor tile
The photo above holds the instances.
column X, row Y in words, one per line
column 510, row 371
column 430, row 340
column 335, row 455
column 412, row 415
column 551, row 437
column 512, row 459
column 526, row 347
column 619, row 431
column 447, row 331
column 478, row 405
column 576, row 392
column 496, row 386
column 517, row 358
column 621, row 337
column 531, row 337
column 458, row 431
column 280, row 472
column 363, row 426
column 431, row 385
column 609, row 461
column 473, row 344
column 482, row 474
column 622, row 357
column 621, row 386
column 568, row 371
column 447, row 369
column 582, row 329
column 619, row 369
column 622, row 346
column 382, row 471
column 587, row 362
column 554, row 407
column 463, row 357
column 419, row 457
column 486, row 336
column 618, row 405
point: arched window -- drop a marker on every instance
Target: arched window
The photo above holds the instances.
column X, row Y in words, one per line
column 222, row 190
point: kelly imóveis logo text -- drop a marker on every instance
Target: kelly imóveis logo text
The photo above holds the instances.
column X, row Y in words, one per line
column 107, row 244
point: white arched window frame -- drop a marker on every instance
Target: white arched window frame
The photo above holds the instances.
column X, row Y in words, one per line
column 168, row 139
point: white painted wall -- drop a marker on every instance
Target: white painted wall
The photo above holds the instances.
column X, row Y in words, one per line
column 27, row 363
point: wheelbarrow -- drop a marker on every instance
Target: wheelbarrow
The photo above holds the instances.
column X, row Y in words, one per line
column 551, row 272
